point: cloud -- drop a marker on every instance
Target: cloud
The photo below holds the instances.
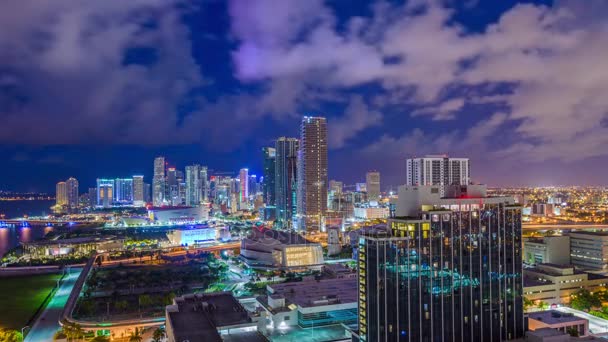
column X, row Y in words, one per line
column 358, row 116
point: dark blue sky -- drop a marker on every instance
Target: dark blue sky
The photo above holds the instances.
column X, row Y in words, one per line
column 98, row 89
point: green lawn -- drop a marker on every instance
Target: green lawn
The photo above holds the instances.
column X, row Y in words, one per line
column 21, row 296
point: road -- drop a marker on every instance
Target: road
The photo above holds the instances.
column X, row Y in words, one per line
column 48, row 322
column 596, row 325
column 554, row 226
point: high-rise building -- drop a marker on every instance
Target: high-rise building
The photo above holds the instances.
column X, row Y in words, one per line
column 450, row 271
column 285, row 178
column 203, row 179
column 312, row 173
column 147, row 192
column 61, row 194
column 336, row 186
column 138, row 191
column 158, row 181
column 270, row 156
column 123, row 191
column 193, row 187
column 372, row 183
column 171, row 187
column 244, row 185
column 438, row 170
column 92, row 197
column 253, row 185
column 72, row 193
column 105, row 192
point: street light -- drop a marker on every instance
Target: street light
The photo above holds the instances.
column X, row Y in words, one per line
column 23, row 336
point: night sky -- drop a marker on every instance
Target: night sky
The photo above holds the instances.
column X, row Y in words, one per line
column 99, row 88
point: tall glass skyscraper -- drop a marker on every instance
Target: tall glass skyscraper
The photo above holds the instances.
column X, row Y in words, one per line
column 138, row 191
column 123, row 191
column 158, row 181
column 312, row 173
column 285, row 179
column 451, row 273
column 270, row 155
column 193, row 188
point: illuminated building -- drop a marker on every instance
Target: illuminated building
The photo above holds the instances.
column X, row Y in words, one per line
column 371, row 213
column 197, row 235
column 372, row 183
column 123, row 191
column 61, row 194
column 172, row 186
column 105, row 192
column 274, row 249
column 450, row 270
column 312, row 173
column 589, row 250
column 193, row 185
column 285, row 179
column 203, row 180
column 548, row 249
column 361, row 187
column 158, row 181
column 92, row 197
column 336, row 186
column 244, row 185
column 178, row 215
column 270, row 155
column 138, row 191
column 438, row 170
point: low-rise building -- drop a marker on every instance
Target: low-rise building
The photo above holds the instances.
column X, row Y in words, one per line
column 274, row 249
column 589, row 249
column 554, row 284
column 73, row 246
column 548, row 249
column 210, row 317
column 311, row 303
column 178, row 215
column 196, row 235
column 371, row 213
column 561, row 321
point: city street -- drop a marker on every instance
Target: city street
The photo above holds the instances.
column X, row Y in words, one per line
column 48, row 322
column 596, row 325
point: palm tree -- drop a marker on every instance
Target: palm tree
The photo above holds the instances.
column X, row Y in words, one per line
column 136, row 336
column 100, row 339
column 159, row 334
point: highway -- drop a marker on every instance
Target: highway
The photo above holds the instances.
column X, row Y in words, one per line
column 48, row 322
column 553, row 226
column 596, row 325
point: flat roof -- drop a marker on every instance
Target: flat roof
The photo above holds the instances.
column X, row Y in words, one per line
column 590, row 233
column 554, row 317
column 318, row 292
column 200, row 315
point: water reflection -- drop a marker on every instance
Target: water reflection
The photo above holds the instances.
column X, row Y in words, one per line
column 12, row 236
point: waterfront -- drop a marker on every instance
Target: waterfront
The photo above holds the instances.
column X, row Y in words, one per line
column 15, row 209
column 11, row 237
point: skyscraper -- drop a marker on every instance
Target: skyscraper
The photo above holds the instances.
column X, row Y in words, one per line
column 450, row 271
column 270, row 155
column 72, row 193
column 203, row 179
column 438, row 170
column 285, row 179
column 193, row 187
column 172, row 190
column 92, row 197
column 138, row 191
column 312, row 173
column 158, row 181
column 372, row 183
column 105, row 192
column 61, row 194
column 123, row 191
column 244, row 185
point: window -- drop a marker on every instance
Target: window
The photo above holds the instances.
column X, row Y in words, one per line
column 287, row 318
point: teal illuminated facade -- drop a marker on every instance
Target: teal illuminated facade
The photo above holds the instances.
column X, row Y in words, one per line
column 452, row 274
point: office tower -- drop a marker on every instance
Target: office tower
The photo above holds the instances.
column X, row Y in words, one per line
column 336, row 187
column 244, row 185
column 270, row 156
column 123, row 191
column 285, row 179
column 449, row 271
column 92, row 197
column 361, row 187
column 253, row 186
column 61, row 194
column 438, row 170
column 147, row 192
column 312, row 173
column 171, row 187
column 105, row 192
column 372, row 183
column 138, row 191
column 203, row 180
column 158, row 181
column 193, row 188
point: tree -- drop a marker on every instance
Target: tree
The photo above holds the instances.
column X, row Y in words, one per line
column 159, row 334
column 73, row 331
column 100, row 339
column 527, row 303
column 543, row 305
column 8, row 335
column 144, row 300
column 585, row 300
column 136, row 336
column 572, row 331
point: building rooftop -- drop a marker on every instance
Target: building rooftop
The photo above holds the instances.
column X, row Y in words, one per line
column 590, row 233
column 554, row 317
column 317, row 293
column 198, row 317
column 280, row 236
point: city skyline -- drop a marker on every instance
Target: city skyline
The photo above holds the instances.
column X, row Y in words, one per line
column 217, row 81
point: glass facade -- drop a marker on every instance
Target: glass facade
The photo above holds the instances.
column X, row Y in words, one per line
column 452, row 275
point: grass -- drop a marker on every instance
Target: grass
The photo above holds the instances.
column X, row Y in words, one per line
column 21, row 297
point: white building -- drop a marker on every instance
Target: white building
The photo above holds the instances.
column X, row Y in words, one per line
column 371, row 213
column 548, row 249
column 438, row 170
column 197, row 235
column 589, row 249
column 178, row 215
